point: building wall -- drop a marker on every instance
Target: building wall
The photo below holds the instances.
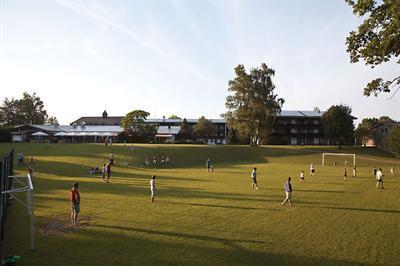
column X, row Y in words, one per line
column 382, row 133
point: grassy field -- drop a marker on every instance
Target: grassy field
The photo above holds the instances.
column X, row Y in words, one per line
column 202, row 218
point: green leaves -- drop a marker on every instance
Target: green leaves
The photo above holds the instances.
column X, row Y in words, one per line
column 252, row 106
column 376, row 40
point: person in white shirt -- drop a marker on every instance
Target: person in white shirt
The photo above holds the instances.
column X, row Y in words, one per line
column 254, row 178
column 379, row 180
column 153, row 187
column 312, row 169
column 302, row 176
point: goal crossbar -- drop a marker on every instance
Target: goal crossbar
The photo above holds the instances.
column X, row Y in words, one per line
column 24, row 187
column 339, row 154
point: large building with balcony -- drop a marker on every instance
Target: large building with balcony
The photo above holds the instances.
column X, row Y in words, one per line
column 291, row 128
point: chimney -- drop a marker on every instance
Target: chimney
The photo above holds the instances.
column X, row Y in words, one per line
column 105, row 114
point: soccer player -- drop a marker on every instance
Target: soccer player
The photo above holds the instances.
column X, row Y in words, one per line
column 392, row 170
column 75, row 199
column 111, row 158
column 345, row 173
column 104, row 172
column 153, row 187
column 375, row 171
column 379, row 180
column 108, row 167
column 312, row 169
column 288, row 190
column 302, row 176
column 354, row 171
column 209, row 166
column 254, row 178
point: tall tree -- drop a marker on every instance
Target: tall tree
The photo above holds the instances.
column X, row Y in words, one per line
column 27, row 110
column 185, row 132
column 338, row 125
column 135, row 125
column 394, row 140
column 204, row 128
column 253, row 105
column 376, row 40
column 52, row 120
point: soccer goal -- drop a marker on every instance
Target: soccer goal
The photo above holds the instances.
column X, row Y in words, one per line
column 23, row 184
column 339, row 154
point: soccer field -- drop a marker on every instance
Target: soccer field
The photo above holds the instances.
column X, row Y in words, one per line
column 201, row 218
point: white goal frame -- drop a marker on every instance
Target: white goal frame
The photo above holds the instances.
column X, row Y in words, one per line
column 339, row 154
column 24, row 187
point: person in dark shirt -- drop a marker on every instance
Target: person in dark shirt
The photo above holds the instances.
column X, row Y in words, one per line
column 288, row 190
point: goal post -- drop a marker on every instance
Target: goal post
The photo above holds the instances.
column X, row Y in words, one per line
column 21, row 185
column 339, row 154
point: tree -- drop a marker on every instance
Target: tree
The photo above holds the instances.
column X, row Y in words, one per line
column 252, row 106
column 204, row 128
column 136, row 127
column 394, row 140
column 338, row 125
column 28, row 110
column 185, row 132
column 376, row 40
column 364, row 129
column 52, row 120
column 174, row 117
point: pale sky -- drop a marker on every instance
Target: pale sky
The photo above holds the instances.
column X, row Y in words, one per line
column 83, row 57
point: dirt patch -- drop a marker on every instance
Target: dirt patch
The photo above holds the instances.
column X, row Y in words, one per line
column 62, row 225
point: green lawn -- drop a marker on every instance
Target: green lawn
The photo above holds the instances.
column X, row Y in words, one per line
column 202, row 218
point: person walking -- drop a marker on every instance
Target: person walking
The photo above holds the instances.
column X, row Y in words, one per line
column 75, row 199
column 345, row 174
column 302, row 176
column 254, row 178
column 354, row 171
column 288, row 190
column 153, row 187
column 379, row 179
column 209, row 165
column 108, row 167
column 312, row 169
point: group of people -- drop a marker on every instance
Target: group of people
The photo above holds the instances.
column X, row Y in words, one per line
column 105, row 170
column 287, row 187
column 164, row 160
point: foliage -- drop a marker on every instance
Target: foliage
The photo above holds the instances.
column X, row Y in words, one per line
column 27, row 110
column 252, row 106
column 174, row 117
column 235, row 138
column 185, row 132
column 338, row 124
column 394, row 140
column 376, row 40
column 5, row 135
column 134, row 123
column 365, row 128
column 204, row 128
column 52, row 120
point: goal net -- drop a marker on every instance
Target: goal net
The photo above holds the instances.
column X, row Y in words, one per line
column 349, row 156
column 23, row 184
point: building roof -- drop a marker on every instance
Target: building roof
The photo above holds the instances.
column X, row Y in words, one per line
column 68, row 128
column 300, row 114
column 99, row 120
column 166, row 130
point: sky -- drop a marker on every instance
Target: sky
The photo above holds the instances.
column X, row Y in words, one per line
column 84, row 57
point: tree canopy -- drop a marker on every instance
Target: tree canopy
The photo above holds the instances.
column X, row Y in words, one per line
column 27, row 110
column 135, row 126
column 338, row 125
column 174, row 117
column 204, row 128
column 376, row 40
column 185, row 131
column 252, row 105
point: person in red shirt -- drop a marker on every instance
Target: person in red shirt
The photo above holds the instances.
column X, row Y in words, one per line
column 75, row 199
